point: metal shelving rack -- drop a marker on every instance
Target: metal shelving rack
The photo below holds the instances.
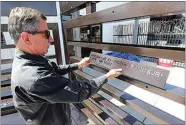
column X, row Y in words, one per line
column 163, row 33
column 118, row 13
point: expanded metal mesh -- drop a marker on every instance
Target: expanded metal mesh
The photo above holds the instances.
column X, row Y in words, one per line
column 152, row 33
column 165, row 33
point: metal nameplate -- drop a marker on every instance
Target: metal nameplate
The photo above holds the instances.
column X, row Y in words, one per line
column 147, row 74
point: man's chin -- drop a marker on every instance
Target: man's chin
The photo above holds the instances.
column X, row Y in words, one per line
column 46, row 51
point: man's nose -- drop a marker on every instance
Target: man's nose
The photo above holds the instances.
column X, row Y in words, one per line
column 50, row 39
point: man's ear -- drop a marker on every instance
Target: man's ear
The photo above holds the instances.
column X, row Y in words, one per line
column 25, row 38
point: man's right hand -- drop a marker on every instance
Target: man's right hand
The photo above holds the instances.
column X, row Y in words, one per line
column 114, row 73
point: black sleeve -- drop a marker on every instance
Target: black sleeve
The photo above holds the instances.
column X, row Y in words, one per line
column 57, row 89
column 63, row 69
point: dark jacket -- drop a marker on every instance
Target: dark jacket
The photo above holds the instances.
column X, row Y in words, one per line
column 40, row 92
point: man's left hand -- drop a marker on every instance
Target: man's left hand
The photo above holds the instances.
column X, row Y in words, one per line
column 84, row 62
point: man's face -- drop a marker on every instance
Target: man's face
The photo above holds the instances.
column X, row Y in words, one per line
column 39, row 41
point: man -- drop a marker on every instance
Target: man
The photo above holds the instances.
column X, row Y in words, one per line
column 40, row 92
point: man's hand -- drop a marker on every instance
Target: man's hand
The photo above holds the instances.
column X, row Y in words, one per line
column 113, row 73
column 84, row 62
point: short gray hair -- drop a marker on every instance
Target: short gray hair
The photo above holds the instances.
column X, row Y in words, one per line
column 23, row 19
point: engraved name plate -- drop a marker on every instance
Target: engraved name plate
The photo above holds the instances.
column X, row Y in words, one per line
column 147, row 74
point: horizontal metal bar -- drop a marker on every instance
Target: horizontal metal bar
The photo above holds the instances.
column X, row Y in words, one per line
column 96, row 110
column 131, row 45
column 6, row 71
column 88, row 113
column 8, row 111
column 117, row 111
column 69, row 7
column 7, row 100
column 7, row 104
column 118, row 120
column 51, row 57
column 176, row 55
column 50, row 19
column 6, row 91
column 121, row 106
column 51, row 25
column 78, row 116
column 8, row 61
column 145, row 109
column 126, row 11
column 5, row 88
column 92, row 107
column 5, row 77
column 5, row 83
column 165, row 93
column 6, row 97
column 4, row 46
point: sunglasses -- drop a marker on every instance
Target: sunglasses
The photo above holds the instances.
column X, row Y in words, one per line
column 46, row 33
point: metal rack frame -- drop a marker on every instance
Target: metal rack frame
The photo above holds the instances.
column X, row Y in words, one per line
column 126, row 11
column 122, row 12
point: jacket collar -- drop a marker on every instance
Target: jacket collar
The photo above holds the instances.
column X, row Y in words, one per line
column 35, row 58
